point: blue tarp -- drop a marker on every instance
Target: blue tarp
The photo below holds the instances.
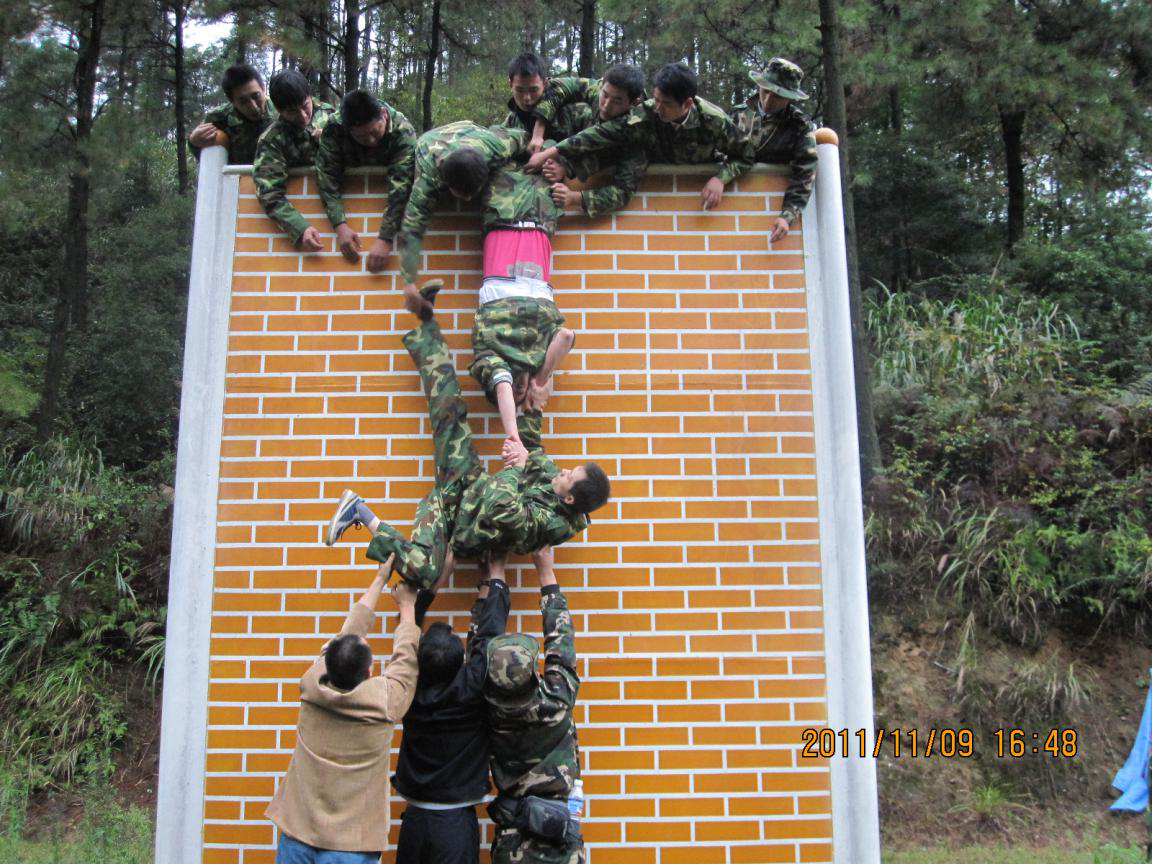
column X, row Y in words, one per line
column 1132, row 778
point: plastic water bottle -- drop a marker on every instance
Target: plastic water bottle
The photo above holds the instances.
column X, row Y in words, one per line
column 576, row 801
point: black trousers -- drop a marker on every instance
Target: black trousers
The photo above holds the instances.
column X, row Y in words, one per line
column 438, row 836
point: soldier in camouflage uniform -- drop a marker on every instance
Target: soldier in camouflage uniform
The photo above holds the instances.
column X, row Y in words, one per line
column 532, row 735
column 528, row 505
column 366, row 132
column 780, row 132
column 435, row 150
column 519, row 336
column 581, row 103
column 243, row 118
column 290, row 142
column 675, row 126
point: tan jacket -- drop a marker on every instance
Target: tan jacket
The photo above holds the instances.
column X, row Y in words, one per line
column 336, row 792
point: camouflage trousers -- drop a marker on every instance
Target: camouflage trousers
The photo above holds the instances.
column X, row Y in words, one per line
column 420, row 559
column 512, row 847
column 511, row 334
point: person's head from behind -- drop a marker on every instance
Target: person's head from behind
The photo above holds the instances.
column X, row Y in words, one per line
column 674, row 87
column 584, row 489
column 620, row 91
column 440, row 654
column 244, row 88
column 527, row 76
column 364, row 118
column 292, row 96
column 511, row 668
column 348, row 661
column 465, row 173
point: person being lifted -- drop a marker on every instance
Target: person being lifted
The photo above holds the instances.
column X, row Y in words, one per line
column 530, row 504
column 243, row 118
column 366, row 132
column 290, row 142
column 458, row 158
column 532, row 733
column 781, row 132
column 676, row 126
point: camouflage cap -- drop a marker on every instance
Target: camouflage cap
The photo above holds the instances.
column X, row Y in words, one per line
column 512, row 662
column 782, row 77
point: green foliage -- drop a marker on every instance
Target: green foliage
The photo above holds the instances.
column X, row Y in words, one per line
column 78, row 604
column 1015, row 485
column 109, row 834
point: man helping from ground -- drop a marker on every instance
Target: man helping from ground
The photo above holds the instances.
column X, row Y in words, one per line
column 535, row 756
column 530, row 504
column 332, row 805
column 442, row 772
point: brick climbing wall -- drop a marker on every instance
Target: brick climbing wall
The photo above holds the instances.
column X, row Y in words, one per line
column 695, row 593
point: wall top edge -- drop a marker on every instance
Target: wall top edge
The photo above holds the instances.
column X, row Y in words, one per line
column 758, row 168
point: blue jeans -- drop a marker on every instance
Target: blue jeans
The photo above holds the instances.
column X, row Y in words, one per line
column 292, row 851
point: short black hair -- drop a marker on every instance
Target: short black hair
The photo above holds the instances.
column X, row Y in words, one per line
column 348, row 661
column 628, row 78
column 676, row 81
column 527, row 65
column 593, row 491
column 465, row 171
column 440, row 654
column 288, row 89
column 238, row 76
column 359, row 108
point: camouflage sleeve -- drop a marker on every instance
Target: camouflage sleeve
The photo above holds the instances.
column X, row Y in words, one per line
column 510, row 143
column 564, row 91
column 560, row 676
column 417, row 215
column 270, row 174
column 330, row 173
column 616, row 194
column 737, row 147
column 804, row 159
column 528, row 425
column 401, row 165
column 617, row 133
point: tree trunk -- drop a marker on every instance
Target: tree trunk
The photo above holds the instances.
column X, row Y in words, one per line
column 587, row 37
column 837, row 118
column 430, row 65
column 351, row 45
column 181, row 13
column 365, row 49
column 71, row 307
column 1012, row 128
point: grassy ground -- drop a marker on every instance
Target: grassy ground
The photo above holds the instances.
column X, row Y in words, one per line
column 1007, row 855
column 109, row 834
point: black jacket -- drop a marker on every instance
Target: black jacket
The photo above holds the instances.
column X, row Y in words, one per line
column 444, row 753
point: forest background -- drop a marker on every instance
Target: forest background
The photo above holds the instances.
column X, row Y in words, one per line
column 999, row 162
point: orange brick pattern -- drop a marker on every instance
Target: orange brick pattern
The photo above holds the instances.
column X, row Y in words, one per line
column 696, row 593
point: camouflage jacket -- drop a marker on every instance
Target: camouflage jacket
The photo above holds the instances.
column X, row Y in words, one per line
column 517, row 509
column 284, row 146
column 575, row 105
column 242, row 132
column 513, row 196
column 786, row 136
column 705, row 135
column 396, row 152
column 496, row 143
column 533, row 739
column 563, row 114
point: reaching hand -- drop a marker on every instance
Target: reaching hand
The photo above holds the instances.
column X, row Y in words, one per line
column 384, row 571
column 348, row 241
column 566, row 198
column 404, row 594
column 203, row 135
column 537, row 160
column 554, row 172
column 378, row 254
column 780, row 230
column 537, row 395
column 535, row 145
column 515, row 454
column 711, row 194
column 310, row 240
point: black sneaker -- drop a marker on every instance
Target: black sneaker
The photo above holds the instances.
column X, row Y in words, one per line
column 344, row 518
column 430, row 289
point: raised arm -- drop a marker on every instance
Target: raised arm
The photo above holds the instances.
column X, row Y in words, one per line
column 402, row 669
column 401, row 165
column 560, row 675
column 426, row 188
column 270, row 176
column 330, row 173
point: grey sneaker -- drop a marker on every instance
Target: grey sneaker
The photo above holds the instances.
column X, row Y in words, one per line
column 344, row 518
column 430, row 289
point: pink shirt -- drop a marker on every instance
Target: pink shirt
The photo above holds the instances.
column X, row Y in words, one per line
column 504, row 248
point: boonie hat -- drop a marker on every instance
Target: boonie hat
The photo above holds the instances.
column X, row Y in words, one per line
column 782, row 77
